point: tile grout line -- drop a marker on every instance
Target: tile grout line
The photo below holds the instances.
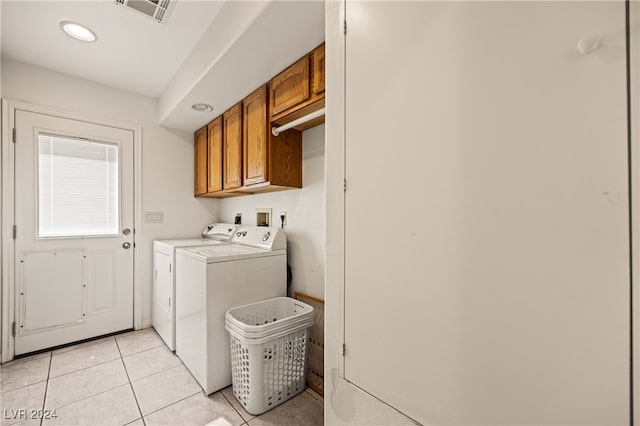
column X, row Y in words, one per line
column 173, row 403
column 154, row 373
column 77, row 371
column 85, row 368
column 232, row 406
column 90, row 396
column 4, row 367
column 141, row 352
column 72, row 347
column 49, row 378
column 85, row 343
column 206, row 396
column 135, row 397
column 147, row 350
column 46, row 388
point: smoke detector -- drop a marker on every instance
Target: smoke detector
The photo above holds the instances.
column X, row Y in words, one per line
column 158, row 10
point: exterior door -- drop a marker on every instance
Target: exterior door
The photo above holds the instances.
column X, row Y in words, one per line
column 74, row 230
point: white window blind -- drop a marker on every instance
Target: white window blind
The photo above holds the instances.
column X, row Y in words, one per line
column 77, row 187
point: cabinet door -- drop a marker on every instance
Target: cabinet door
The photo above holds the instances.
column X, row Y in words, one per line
column 255, row 137
column 214, row 154
column 318, row 70
column 290, row 87
column 232, row 147
column 200, row 166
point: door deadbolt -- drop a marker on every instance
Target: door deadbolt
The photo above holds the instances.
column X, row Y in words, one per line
column 126, row 231
column 126, row 245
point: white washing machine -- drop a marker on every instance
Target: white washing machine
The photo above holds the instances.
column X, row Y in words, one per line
column 211, row 280
column 163, row 311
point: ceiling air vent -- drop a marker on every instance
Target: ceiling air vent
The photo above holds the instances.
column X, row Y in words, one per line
column 157, row 10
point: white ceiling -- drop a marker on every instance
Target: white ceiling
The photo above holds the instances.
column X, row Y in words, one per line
column 132, row 52
column 207, row 50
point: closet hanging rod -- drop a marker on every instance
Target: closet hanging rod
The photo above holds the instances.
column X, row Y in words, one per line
column 277, row 130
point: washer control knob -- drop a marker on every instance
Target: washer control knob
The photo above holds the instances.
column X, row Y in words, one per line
column 266, row 236
column 238, row 233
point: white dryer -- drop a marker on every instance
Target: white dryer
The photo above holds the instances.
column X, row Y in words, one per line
column 211, row 280
column 163, row 311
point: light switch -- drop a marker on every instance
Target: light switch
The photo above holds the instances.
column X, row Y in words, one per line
column 153, row 217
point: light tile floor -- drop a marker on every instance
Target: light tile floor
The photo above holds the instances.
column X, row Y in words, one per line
column 127, row 379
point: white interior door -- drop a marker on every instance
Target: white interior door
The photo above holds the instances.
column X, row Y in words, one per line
column 497, row 290
column 74, row 230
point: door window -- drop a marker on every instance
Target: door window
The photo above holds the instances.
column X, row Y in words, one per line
column 77, row 187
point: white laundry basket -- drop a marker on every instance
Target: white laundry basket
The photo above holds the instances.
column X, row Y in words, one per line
column 268, row 351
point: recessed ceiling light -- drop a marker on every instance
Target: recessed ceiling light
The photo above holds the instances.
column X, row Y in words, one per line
column 201, row 107
column 77, row 31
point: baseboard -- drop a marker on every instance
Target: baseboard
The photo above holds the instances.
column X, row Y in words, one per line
column 146, row 323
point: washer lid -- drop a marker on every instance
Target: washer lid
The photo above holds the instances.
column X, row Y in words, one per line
column 167, row 246
column 226, row 252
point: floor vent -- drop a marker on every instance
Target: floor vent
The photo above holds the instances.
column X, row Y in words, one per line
column 158, row 10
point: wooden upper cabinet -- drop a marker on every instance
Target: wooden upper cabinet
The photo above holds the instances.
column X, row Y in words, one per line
column 270, row 162
column 200, row 165
column 214, row 154
column 232, row 147
column 318, row 70
column 237, row 154
column 290, row 87
column 255, row 137
column 285, row 159
column 299, row 90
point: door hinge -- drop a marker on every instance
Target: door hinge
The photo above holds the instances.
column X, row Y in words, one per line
column 344, row 185
column 169, row 268
column 344, row 349
column 345, row 27
column 169, row 302
column 14, row 135
column 13, row 329
column 15, row 232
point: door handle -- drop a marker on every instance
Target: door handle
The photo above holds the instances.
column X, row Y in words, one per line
column 126, row 246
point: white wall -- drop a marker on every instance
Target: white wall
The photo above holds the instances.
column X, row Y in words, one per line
column 167, row 156
column 305, row 209
column 506, row 301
